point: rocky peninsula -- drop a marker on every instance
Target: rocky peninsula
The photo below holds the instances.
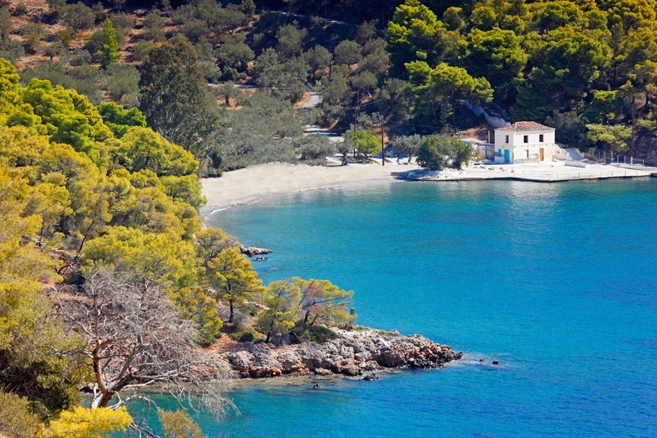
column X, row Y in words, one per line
column 357, row 352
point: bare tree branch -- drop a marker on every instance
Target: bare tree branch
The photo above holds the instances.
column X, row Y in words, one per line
column 135, row 338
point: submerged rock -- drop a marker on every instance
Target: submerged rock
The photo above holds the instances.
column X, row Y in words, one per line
column 351, row 353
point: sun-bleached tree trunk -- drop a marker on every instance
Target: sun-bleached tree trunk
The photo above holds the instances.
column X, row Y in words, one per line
column 134, row 337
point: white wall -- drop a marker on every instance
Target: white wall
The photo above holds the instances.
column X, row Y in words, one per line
column 519, row 149
column 518, row 138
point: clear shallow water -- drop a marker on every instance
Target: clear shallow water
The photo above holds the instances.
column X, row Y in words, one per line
column 558, row 282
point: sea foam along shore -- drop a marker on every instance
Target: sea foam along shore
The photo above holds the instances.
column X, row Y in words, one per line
column 356, row 352
column 248, row 185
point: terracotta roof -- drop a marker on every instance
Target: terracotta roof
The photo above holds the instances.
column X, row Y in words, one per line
column 525, row 126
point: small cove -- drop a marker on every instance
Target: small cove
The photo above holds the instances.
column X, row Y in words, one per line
column 556, row 281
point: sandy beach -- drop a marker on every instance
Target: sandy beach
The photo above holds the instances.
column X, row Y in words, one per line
column 248, row 185
column 245, row 186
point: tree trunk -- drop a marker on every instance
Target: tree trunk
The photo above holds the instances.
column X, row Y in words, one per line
column 103, row 401
column 230, row 318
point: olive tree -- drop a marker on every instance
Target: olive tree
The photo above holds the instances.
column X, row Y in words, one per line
column 407, row 144
column 439, row 151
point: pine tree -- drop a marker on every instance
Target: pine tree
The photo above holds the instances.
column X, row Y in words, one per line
column 175, row 98
column 247, row 7
column 109, row 51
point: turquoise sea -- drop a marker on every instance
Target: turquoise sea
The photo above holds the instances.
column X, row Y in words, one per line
column 556, row 281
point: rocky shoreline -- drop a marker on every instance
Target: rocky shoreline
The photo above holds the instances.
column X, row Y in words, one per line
column 251, row 251
column 352, row 353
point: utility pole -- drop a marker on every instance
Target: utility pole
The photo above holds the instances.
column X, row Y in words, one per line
column 357, row 111
column 633, row 133
column 383, row 152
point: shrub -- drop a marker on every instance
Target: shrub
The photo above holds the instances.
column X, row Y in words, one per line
column 141, row 50
column 196, row 30
column 5, row 25
column 94, row 43
column 78, row 16
column 82, row 422
column 80, row 57
column 312, row 333
column 246, row 335
column 53, row 71
column 179, row 424
column 15, row 417
column 314, row 149
column 99, row 12
column 122, row 21
column 20, row 9
column 66, row 36
column 155, row 34
column 439, row 151
column 85, row 81
column 433, row 153
column 153, row 19
column 32, row 32
column 122, row 84
column 55, row 49
column 55, row 6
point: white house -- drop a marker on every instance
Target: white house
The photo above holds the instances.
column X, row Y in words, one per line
column 524, row 142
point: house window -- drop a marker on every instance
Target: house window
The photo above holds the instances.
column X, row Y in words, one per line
column 540, row 138
column 507, row 139
column 525, row 139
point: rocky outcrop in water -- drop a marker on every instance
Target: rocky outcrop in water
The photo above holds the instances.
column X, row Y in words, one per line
column 253, row 251
column 352, row 353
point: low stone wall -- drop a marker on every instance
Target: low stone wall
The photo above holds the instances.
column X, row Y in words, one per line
column 580, row 164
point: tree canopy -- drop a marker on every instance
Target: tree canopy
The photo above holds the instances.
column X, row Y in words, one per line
column 112, row 210
column 175, row 98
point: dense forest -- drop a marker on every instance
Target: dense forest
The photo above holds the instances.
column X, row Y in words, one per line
column 110, row 112
column 107, row 281
column 586, row 68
